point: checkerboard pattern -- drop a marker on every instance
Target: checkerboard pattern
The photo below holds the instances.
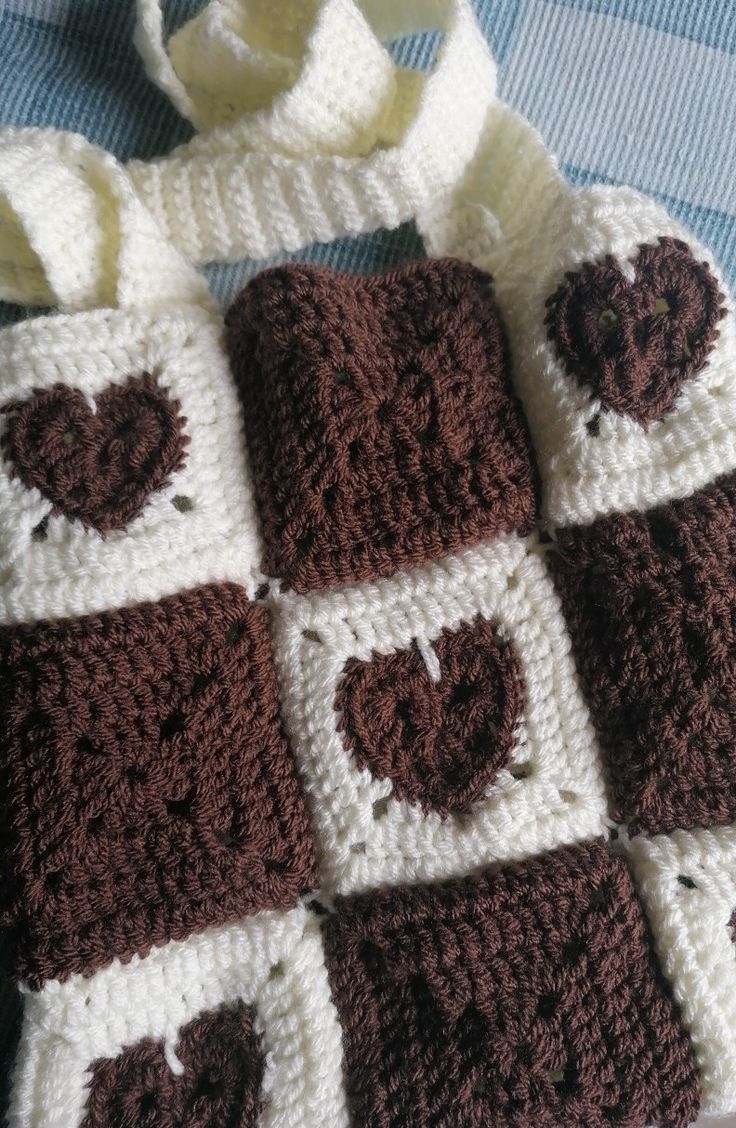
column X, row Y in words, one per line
column 317, row 851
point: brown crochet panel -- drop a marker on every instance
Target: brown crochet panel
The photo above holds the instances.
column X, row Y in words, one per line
column 634, row 344
column 146, row 788
column 220, row 1087
column 442, row 742
column 380, row 418
column 650, row 599
column 528, row 998
column 98, row 467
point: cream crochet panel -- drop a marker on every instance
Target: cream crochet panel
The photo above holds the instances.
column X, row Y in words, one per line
column 272, row 962
column 348, row 144
column 550, row 794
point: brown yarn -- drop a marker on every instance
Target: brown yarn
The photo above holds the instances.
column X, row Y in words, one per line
column 635, row 344
column 650, row 599
column 98, row 467
column 441, row 743
column 146, row 788
column 380, row 418
column 528, row 998
column 220, row 1087
column 732, row 926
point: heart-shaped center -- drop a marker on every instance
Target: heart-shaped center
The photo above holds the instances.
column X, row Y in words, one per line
column 221, row 1083
column 636, row 343
column 441, row 741
column 96, row 466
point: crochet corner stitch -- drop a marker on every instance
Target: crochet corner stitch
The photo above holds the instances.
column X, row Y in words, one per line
column 367, row 676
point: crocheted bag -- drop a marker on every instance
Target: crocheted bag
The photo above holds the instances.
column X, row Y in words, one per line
column 623, row 347
column 477, row 952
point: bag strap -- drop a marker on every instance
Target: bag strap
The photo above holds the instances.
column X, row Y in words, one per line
column 293, row 88
column 73, row 234
column 510, row 188
column 277, row 179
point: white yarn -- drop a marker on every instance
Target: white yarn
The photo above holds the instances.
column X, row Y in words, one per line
column 266, row 93
column 560, row 801
column 240, row 192
column 74, row 234
column 696, row 950
column 67, row 1026
column 120, row 259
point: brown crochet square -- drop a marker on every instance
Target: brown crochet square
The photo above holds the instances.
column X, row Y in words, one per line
column 146, row 788
column 380, row 418
column 527, row 998
column 219, row 1088
column 650, row 599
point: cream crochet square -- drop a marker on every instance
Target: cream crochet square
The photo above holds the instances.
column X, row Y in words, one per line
column 199, row 528
column 550, row 792
column 273, row 962
column 593, row 461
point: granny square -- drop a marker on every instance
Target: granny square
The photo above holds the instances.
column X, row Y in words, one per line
column 650, row 600
column 234, row 1026
column 527, row 998
column 380, row 418
column 123, row 473
column 436, row 719
column 146, row 787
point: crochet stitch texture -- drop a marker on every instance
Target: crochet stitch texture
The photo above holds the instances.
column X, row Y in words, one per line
column 366, row 751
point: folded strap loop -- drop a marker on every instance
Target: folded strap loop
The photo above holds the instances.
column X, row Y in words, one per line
column 273, row 181
column 312, row 78
column 73, row 234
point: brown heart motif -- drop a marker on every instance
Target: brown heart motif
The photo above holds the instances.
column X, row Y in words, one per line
column 221, row 1084
column 98, row 467
column 441, row 742
column 634, row 344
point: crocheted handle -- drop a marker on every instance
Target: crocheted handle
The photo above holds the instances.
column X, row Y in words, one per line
column 291, row 67
column 278, row 180
column 74, row 235
column 510, row 188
